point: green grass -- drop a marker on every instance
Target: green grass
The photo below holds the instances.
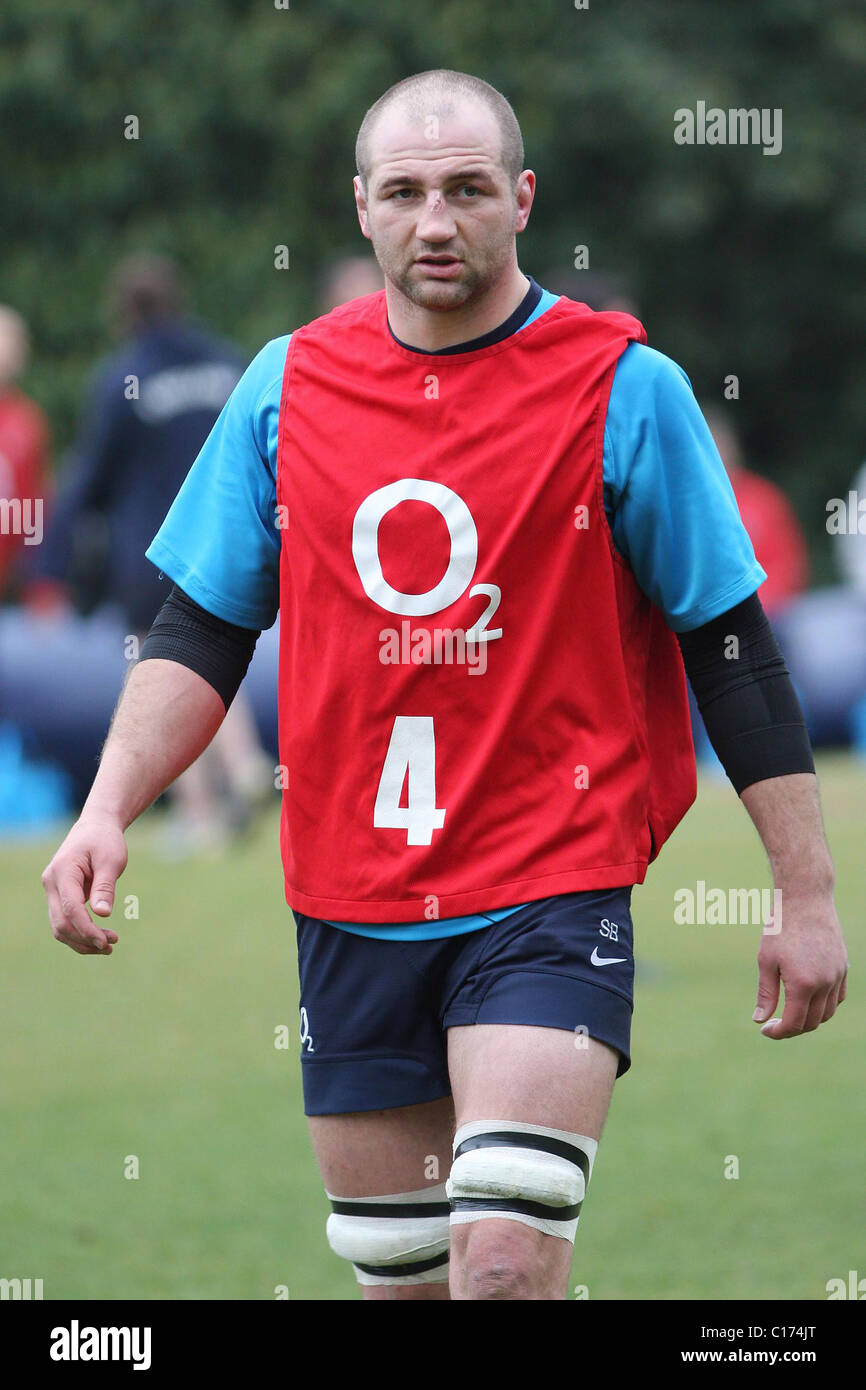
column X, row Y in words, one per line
column 166, row 1051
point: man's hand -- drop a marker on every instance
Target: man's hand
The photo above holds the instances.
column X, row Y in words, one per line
column 808, row 956
column 86, row 866
column 165, row 717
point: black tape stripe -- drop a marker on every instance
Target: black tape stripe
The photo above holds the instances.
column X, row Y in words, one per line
column 391, row 1208
column 416, row 1267
column 516, row 1139
column 539, row 1209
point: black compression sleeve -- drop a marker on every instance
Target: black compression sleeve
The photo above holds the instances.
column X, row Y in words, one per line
column 744, row 692
column 218, row 651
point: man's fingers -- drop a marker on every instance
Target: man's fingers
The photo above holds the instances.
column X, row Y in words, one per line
column 831, row 1005
column 793, row 1019
column 768, row 991
column 76, row 919
column 835, row 997
column 817, row 1008
column 61, row 928
column 87, row 866
column 803, row 1012
column 103, row 883
column 102, row 898
column 70, row 921
column 67, row 934
column 85, row 950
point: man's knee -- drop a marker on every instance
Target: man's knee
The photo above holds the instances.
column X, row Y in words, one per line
column 499, row 1260
column 400, row 1240
column 516, row 1191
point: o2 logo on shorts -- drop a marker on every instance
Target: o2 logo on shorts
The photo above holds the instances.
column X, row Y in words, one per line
column 411, row 751
column 609, row 929
column 306, row 1035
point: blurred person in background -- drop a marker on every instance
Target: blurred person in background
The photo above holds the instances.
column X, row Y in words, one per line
column 848, row 528
column 776, row 535
column 24, row 450
column 602, row 290
column 822, row 631
column 769, row 518
column 347, row 277
column 778, row 542
column 151, row 407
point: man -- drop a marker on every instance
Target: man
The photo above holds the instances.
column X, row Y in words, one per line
column 769, row 518
column 462, row 522
column 152, row 404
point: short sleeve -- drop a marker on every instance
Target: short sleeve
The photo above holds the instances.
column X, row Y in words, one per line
column 672, row 509
column 220, row 542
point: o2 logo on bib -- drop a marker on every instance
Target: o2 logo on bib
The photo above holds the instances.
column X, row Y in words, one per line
column 461, row 562
column 411, row 753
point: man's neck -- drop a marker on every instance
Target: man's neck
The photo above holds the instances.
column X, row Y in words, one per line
column 428, row 330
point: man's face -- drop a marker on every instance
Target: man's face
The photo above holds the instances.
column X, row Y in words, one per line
column 439, row 208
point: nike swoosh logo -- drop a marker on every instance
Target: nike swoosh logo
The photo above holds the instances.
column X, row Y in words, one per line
column 596, row 959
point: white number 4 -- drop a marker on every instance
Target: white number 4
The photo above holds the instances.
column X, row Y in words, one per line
column 413, row 749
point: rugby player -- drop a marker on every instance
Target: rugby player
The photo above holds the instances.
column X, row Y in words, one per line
column 498, row 535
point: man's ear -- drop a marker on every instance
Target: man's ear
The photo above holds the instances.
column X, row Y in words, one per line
column 525, row 195
column 361, row 205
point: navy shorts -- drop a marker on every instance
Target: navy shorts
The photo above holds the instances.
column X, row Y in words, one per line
column 374, row 1014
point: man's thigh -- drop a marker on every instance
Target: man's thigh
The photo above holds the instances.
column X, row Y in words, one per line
column 376, row 1151
column 385, row 1152
column 544, row 1077
column 516, row 1019
column 377, row 1100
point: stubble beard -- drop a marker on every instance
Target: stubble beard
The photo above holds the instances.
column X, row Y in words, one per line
column 442, row 295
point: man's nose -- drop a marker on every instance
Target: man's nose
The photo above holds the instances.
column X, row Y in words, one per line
column 436, row 222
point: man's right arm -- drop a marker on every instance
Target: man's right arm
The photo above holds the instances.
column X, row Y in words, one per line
column 166, row 716
column 220, row 545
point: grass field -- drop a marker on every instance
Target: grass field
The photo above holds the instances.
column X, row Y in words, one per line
column 166, row 1052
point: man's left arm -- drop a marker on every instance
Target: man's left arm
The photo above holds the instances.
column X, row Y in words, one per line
column 674, row 517
column 755, row 724
column 806, row 949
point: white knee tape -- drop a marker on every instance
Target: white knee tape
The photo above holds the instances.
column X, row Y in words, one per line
column 520, row 1172
column 401, row 1238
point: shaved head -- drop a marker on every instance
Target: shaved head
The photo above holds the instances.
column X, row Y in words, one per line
column 438, row 93
column 442, row 194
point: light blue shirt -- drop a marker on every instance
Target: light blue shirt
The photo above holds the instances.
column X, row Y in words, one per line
column 670, row 505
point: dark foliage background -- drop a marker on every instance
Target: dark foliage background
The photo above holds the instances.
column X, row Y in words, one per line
column 740, row 262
